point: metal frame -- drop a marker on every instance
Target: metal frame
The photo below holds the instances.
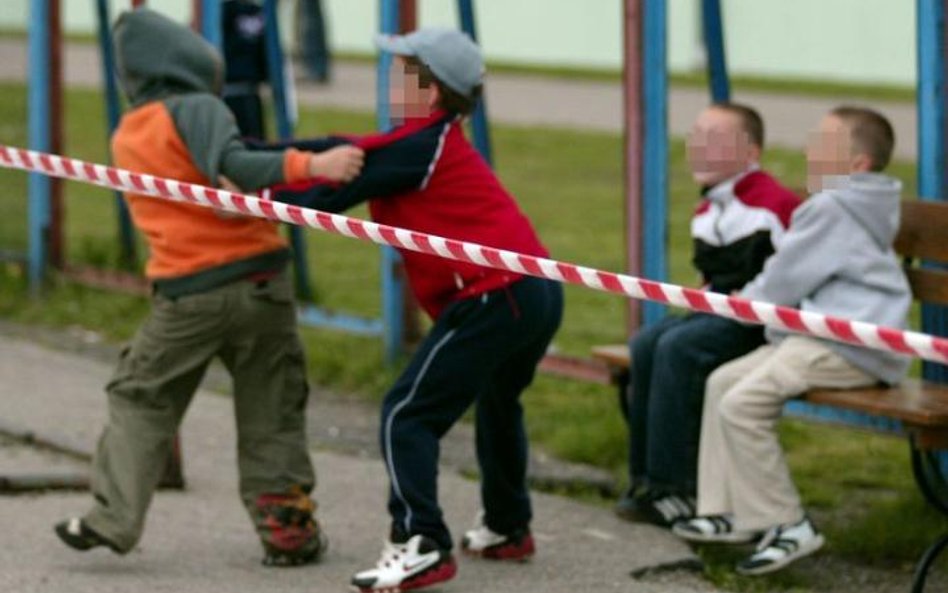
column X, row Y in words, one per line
column 393, row 289
column 931, row 467
column 113, row 111
column 479, row 117
column 932, row 132
column 719, row 83
column 645, row 85
column 40, row 138
column 284, row 127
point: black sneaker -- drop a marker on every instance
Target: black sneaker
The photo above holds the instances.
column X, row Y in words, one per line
column 77, row 535
column 782, row 545
column 713, row 529
column 627, row 507
column 663, row 509
column 414, row 564
column 289, row 532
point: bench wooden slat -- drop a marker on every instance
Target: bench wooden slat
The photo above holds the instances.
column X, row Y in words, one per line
column 929, row 286
column 922, row 231
column 614, row 355
column 913, row 402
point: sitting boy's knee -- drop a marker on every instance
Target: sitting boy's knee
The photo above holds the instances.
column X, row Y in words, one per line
column 720, row 381
column 733, row 407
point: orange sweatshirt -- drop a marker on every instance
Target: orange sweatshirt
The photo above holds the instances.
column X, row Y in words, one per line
column 178, row 129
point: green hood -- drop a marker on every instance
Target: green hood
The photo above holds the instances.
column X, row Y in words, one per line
column 157, row 58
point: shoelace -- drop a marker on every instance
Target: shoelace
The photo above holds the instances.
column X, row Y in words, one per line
column 772, row 535
column 391, row 553
column 674, row 507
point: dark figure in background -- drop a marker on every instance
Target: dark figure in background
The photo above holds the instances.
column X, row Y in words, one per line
column 313, row 42
column 246, row 64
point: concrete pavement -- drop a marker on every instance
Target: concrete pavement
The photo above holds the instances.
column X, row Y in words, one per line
column 200, row 540
column 532, row 100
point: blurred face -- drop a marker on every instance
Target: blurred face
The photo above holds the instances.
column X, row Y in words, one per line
column 407, row 99
column 830, row 152
column 718, row 147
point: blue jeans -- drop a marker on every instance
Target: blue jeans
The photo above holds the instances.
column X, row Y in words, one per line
column 671, row 361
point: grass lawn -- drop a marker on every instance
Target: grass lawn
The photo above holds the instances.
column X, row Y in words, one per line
column 858, row 485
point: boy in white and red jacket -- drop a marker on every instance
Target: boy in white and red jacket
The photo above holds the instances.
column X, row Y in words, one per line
column 491, row 327
column 740, row 221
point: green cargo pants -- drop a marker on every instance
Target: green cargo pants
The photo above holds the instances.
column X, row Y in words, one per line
column 252, row 328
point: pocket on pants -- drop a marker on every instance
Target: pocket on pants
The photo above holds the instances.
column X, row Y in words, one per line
column 295, row 387
column 277, row 290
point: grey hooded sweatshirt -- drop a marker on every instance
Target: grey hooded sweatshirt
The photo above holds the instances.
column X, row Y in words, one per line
column 837, row 259
column 161, row 60
column 179, row 128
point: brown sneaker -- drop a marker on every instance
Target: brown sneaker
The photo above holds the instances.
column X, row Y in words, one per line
column 289, row 531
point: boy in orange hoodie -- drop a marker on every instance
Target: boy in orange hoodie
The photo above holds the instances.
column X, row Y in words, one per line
column 220, row 290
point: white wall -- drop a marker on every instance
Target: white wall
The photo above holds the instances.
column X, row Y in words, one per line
column 545, row 32
column 847, row 40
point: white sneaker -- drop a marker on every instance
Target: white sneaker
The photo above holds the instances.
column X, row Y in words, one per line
column 417, row 563
column 485, row 543
column 713, row 529
column 782, row 545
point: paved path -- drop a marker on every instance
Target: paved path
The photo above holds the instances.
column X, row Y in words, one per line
column 200, row 541
column 531, row 100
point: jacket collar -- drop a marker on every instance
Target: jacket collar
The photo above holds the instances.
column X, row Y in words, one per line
column 724, row 191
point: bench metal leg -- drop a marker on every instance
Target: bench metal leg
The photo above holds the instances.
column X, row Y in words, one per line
column 925, row 564
column 930, row 477
column 621, row 381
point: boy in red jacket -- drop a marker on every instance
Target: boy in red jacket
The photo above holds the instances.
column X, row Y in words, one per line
column 491, row 327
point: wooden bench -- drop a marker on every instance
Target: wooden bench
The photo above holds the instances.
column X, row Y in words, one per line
column 916, row 409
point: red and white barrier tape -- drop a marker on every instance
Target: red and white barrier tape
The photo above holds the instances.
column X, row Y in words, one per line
column 917, row 344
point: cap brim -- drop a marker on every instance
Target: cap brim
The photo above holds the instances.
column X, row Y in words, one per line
column 395, row 44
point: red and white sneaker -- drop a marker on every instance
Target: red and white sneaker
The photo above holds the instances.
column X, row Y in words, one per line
column 484, row 543
column 417, row 563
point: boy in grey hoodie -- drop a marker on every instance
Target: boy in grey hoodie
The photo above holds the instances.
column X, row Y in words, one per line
column 837, row 259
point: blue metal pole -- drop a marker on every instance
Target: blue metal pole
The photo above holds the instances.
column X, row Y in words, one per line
column 275, row 68
column 113, row 112
column 40, row 138
column 931, row 141
column 655, row 149
column 718, row 81
column 479, row 116
column 211, row 22
column 393, row 301
column 284, row 125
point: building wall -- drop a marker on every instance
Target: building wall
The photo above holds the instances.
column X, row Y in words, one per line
column 846, row 40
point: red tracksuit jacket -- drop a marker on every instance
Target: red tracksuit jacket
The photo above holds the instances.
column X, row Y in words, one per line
column 425, row 176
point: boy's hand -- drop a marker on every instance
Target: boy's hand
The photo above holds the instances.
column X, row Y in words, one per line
column 342, row 163
column 228, row 185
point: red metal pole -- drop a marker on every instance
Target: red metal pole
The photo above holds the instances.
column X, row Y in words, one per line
column 633, row 132
column 137, row 3
column 408, row 21
column 57, row 207
column 407, row 15
column 197, row 15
